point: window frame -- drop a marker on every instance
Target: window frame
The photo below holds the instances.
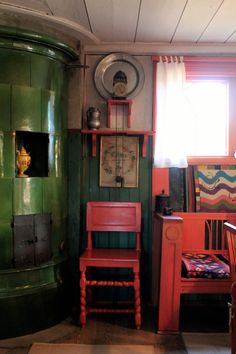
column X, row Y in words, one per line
column 210, row 67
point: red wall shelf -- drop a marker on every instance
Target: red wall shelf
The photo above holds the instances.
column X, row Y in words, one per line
column 94, row 134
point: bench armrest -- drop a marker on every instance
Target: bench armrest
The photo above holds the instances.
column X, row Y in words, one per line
column 230, row 231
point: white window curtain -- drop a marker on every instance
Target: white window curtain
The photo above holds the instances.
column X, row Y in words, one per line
column 170, row 113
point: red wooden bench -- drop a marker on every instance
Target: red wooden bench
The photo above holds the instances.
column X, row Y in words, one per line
column 231, row 237
column 111, row 217
column 195, row 233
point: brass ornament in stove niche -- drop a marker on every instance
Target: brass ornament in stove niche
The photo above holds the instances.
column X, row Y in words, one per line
column 23, row 161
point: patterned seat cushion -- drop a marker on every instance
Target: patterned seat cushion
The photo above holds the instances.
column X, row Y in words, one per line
column 204, row 266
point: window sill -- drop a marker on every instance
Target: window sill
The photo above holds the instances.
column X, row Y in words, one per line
column 209, row 160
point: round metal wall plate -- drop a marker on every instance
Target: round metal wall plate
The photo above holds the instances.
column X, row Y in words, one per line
column 108, row 67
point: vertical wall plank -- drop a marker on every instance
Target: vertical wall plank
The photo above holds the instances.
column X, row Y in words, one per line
column 74, row 209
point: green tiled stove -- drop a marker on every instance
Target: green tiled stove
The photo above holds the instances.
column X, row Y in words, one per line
column 33, row 115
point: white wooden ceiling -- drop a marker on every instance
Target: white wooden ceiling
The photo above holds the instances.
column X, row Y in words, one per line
column 128, row 21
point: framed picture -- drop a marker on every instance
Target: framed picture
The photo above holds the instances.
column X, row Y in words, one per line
column 119, row 161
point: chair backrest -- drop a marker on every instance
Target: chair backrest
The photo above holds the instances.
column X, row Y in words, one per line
column 113, row 216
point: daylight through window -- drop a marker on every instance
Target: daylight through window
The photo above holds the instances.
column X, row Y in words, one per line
column 206, row 130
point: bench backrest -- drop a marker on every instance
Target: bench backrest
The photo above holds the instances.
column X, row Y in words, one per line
column 204, row 232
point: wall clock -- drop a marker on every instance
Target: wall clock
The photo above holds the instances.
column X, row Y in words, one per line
column 119, row 85
column 119, row 161
column 114, row 63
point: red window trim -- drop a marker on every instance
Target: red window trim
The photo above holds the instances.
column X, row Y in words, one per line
column 205, row 66
column 200, row 58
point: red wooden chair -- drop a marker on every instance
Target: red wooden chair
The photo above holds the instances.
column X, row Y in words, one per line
column 111, row 217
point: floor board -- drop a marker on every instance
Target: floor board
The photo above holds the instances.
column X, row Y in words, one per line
column 119, row 329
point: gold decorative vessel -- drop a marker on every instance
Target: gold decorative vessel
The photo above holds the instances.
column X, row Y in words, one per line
column 23, row 161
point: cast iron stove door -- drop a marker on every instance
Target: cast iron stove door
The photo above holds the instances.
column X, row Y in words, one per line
column 32, row 239
column 43, row 250
column 23, row 231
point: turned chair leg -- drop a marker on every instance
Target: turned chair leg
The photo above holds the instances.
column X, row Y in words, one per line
column 83, row 298
column 137, row 300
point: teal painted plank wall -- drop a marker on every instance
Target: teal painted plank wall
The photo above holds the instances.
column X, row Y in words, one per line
column 74, row 213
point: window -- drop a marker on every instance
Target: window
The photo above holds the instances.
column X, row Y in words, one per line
column 219, row 70
column 206, row 131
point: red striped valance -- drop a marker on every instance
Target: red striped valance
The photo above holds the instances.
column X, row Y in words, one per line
column 203, row 66
column 168, row 58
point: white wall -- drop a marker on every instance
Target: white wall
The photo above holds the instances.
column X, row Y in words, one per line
column 89, row 97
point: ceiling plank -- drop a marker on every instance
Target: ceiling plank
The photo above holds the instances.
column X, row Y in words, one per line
column 204, row 22
column 113, row 20
column 222, row 25
column 195, row 19
column 158, row 20
column 232, row 38
column 73, row 10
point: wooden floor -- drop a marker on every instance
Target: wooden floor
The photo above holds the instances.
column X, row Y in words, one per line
column 119, row 329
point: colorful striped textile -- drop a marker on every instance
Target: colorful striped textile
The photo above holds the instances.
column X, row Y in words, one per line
column 215, row 188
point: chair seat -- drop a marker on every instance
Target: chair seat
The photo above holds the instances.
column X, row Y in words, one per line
column 122, row 258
